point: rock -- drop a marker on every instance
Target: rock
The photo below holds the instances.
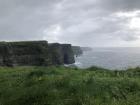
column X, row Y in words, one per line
column 35, row 53
column 55, row 52
column 30, row 53
column 77, row 50
column 5, row 54
column 61, row 53
column 68, row 54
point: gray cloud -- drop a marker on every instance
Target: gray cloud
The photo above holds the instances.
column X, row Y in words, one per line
column 81, row 22
column 120, row 5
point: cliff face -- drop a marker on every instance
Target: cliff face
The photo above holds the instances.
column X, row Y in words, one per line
column 67, row 54
column 34, row 53
column 55, row 53
column 61, row 53
column 77, row 50
column 5, row 54
column 30, row 53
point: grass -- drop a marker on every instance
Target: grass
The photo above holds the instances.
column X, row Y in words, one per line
column 68, row 86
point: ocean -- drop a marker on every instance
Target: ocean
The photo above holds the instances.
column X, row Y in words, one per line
column 110, row 58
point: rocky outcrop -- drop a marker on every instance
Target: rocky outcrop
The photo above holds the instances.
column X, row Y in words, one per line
column 5, row 54
column 61, row 53
column 77, row 50
column 30, row 53
column 68, row 54
column 55, row 52
column 35, row 53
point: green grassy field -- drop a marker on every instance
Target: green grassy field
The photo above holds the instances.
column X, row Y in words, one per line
column 68, row 86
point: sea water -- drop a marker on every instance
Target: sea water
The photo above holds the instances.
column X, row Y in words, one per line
column 110, row 58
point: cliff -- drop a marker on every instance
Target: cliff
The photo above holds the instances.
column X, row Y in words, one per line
column 35, row 53
column 68, row 54
column 77, row 50
column 61, row 53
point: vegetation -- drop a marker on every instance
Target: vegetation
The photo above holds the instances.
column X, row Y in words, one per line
column 68, row 86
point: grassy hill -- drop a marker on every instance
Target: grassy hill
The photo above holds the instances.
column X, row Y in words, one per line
column 68, row 86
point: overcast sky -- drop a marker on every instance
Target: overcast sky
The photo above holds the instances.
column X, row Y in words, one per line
column 80, row 22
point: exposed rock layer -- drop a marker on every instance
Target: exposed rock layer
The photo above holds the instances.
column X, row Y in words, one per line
column 77, row 50
column 35, row 53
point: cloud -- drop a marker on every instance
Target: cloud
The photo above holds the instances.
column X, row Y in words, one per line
column 119, row 5
column 80, row 22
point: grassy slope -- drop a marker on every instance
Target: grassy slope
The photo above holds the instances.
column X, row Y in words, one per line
column 67, row 86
